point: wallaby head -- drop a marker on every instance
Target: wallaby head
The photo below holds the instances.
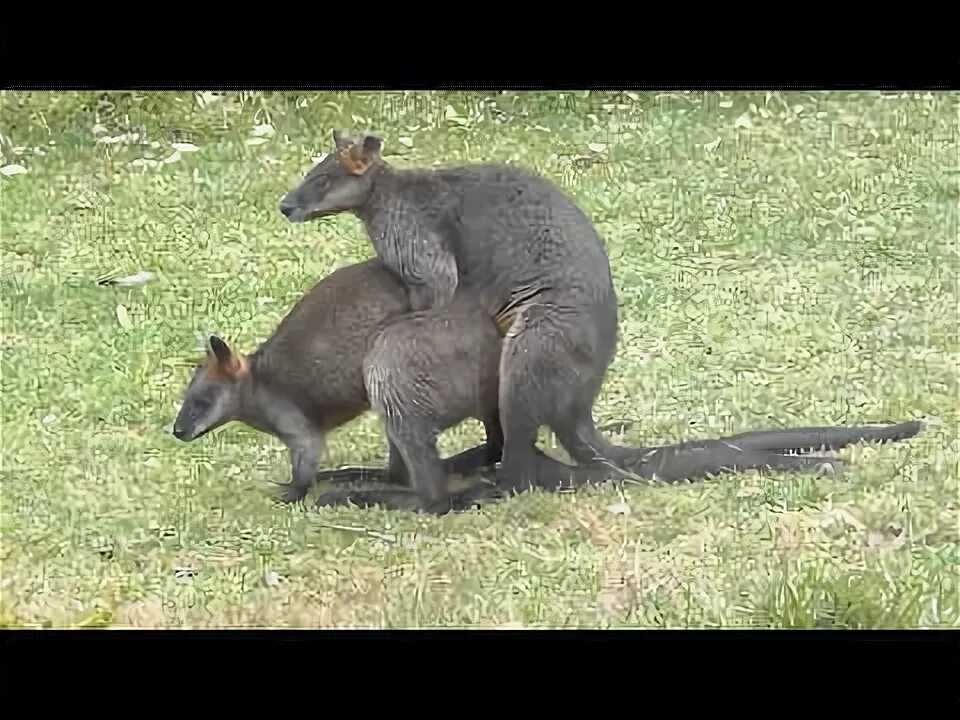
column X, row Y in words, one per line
column 213, row 396
column 341, row 182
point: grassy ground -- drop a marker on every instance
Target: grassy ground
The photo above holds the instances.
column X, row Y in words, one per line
column 781, row 259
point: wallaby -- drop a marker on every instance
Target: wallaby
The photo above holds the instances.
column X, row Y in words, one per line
column 307, row 378
column 533, row 261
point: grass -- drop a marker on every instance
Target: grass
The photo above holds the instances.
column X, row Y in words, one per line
column 781, row 259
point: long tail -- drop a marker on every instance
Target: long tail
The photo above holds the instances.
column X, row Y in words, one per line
column 763, row 450
column 818, row 439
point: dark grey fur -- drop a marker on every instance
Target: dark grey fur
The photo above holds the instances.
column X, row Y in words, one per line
column 533, row 262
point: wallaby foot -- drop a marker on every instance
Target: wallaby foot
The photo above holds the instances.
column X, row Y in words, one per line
column 291, row 492
column 388, row 498
column 473, row 460
column 408, row 500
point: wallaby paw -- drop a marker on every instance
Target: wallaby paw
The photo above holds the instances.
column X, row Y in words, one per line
column 474, row 498
column 288, row 493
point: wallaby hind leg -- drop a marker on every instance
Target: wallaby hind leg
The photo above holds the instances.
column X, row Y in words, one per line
column 578, row 434
column 547, row 358
column 416, row 442
column 494, row 439
column 397, row 473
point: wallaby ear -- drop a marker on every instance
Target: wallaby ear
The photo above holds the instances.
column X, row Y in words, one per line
column 342, row 139
column 361, row 155
column 220, row 349
column 371, row 146
column 228, row 363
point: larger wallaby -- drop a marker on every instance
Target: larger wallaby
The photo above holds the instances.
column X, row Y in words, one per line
column 533, row 260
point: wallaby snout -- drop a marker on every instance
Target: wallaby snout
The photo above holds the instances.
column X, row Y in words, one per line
column 202, row 412
column 212, row 397
column 180, row 432
column 287, row 206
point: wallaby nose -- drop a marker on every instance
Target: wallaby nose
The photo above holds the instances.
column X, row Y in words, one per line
column 286, row 207
column 179, row 433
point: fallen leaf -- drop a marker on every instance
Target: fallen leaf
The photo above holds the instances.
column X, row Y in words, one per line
column 256, row 141
column 711, row 146
column 405, row 141
column 184, row 147
column 138, row 278
column 835, row 522
column 743, row 121
column 123, row 317
column 263, row 131
column 597, row 147
column 886, row 540
column 12, row 170
column 726, row 103
column 144, row 162
column 619, row 508
column 173, row 158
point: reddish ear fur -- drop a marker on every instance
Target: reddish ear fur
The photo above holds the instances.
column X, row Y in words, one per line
column 358, row 157
column 222, row 362
column 353, row 164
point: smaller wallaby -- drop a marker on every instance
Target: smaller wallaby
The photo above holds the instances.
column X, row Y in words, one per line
column 308, row 377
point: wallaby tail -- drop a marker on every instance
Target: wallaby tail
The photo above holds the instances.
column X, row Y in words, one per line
column 764, row 450
column 695, row 461
column 818, row 439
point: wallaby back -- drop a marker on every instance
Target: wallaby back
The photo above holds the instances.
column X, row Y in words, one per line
column 315, row 355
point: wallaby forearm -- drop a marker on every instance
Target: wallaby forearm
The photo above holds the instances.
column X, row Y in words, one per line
column 417, row 255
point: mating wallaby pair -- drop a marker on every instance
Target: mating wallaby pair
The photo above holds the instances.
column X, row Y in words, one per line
column 351, row 343
column 491, row 247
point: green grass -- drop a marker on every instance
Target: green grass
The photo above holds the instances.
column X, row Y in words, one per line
column 781, row 259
